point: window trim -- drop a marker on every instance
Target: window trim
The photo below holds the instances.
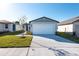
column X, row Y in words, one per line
column 6, row 26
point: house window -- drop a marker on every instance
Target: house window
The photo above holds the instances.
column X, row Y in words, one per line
column 6, row 26
column 65, row 29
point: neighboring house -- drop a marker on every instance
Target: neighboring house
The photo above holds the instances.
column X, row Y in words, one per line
column 18, row 26
column 26, row 27
column 7, row 26
column 70, row 26
column 43, row 25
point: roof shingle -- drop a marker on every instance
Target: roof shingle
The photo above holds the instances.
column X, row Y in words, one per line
column 69, row 21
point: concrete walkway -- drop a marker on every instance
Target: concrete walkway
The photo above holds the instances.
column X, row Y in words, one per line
column 52, row 45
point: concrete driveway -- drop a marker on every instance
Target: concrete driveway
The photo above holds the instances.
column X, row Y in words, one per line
column 52, row 45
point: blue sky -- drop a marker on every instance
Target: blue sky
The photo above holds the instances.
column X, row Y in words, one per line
column 55, row 11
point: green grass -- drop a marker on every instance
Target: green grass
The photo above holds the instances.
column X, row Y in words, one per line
column 14, row 41
column 12, row 33
column 68, row 36
column 9, row 39
column 29, row 33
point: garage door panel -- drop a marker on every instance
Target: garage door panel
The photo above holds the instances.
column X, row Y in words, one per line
column 43, row 28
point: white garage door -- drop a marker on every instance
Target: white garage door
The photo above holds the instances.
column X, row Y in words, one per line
column 43, row 28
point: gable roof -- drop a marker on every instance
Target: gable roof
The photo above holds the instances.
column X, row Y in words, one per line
column 43, row 19
column 5, row 22
column 70, row 21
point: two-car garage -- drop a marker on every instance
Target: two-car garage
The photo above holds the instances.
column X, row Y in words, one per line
column 43, row 28
column 43, row 25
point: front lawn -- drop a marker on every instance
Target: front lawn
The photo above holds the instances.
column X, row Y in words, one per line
column 9, row 39
column 68, row 36
column 15, row 41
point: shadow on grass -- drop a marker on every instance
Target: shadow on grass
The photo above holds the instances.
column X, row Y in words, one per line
column 10, row 33
column 16, row 47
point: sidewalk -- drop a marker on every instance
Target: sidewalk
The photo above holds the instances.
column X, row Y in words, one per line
column 23, row 34
column 13, row 51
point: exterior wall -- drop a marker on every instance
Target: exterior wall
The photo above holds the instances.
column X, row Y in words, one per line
column 26, row 28
column 66, row 28
column 10, row 27
column 76, row 28
column 18, row 27
column 1, row 27
column 54, row 26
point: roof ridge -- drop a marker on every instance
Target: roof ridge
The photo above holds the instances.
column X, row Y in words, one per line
column 71, row 20
column 44, row 17
column 5, row 21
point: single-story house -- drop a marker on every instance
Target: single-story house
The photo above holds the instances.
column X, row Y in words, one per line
column 6, row 26
column 70, row 26
column 43, row 25
column 26, row 26
column 18, row 26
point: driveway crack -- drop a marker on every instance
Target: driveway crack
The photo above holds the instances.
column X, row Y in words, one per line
column 28, row 51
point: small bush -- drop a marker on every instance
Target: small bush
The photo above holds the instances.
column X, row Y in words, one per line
column 12, row 33
column 29, row 33
column 68, row 36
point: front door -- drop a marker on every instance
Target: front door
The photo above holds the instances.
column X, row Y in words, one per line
column 14, row 27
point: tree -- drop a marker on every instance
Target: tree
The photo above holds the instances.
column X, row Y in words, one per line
column 16, row 22
column 22, row 20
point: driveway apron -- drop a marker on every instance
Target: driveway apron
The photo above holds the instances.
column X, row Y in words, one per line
column 52, row 45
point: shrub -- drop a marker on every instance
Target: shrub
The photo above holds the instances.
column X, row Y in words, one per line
column 12, row 33
column 29, row 33
column 68, row 36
